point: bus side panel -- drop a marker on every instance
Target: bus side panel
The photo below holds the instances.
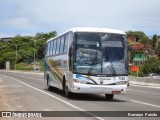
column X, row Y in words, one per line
column 58, row 68
column 46, row 69
column 49, row 70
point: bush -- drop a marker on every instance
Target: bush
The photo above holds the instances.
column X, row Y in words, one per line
column 152, row 65
column 42, row 64
column 24, row 66
column 140, row 74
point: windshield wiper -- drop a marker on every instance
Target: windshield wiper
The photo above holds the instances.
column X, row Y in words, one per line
column 91, row 67
column 112, row 69
column 89, row 71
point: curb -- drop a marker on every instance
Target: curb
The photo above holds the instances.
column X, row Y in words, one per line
column 29, row 72
column 145, row 84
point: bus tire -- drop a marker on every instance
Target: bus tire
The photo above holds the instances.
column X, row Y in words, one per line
column 48, row 84
column 65, row 89
column 109, row 96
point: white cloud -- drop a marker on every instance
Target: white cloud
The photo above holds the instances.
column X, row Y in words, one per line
column 17, row 23
column 45, row 15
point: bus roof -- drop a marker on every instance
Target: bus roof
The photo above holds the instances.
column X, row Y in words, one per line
column 91, row 29
column 95, row 29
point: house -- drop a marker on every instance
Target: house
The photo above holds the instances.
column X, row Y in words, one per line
column 131, row 39
column 139, row 46
column 6, row 39
column 139, row 53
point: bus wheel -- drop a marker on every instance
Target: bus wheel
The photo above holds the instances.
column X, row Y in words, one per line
column 66, row 90
column 48, row 84
column 109, row 96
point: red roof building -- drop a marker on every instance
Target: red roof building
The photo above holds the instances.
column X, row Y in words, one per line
column 139, row 46
column 131, row 39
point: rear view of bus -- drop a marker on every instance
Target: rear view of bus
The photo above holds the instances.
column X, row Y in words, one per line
column 95, row 62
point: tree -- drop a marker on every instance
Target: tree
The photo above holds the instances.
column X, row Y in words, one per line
column 52, row 34
column 46, row 36
column 152, row 65
column 139, row 35
column 143, row 39
column 10, row 56
column 26, row 54
column 40, row 49
column 154, row 41
column 1, row 62
column 158, row 46
column 40, row 35
column 25, row 48
column 157, row 49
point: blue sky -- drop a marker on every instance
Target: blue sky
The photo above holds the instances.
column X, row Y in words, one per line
column 27, row 17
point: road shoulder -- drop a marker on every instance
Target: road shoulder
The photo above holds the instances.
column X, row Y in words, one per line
column 2, row 97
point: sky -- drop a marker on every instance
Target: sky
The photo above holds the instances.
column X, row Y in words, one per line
column 28, row 17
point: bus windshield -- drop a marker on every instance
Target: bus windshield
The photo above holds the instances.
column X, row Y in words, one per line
column 100, row 54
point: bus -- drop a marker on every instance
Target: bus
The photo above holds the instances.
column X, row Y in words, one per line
column 87, row 60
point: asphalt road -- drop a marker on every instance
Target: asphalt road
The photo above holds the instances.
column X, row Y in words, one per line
column 22, row 91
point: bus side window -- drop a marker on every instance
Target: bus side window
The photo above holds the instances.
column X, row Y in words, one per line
column 66, row 43
column 48, row 49
column 58, row 45
column 62, row 44
column 52, row 47
column 71, row 58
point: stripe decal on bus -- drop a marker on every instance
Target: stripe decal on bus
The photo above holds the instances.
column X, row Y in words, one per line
column 55, row 67
column 56, row 74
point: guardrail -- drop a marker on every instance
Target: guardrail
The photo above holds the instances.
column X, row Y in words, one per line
column 144, row 80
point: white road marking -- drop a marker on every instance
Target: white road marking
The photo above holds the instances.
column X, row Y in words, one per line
column 144, row 92
column 147, row 86
column 71, row 105
column 145, row 103
column 25, row 72
column 29, row 77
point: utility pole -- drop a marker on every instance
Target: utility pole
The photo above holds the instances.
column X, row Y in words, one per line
column 16, row 58
column 16, row 45
column 34, row 54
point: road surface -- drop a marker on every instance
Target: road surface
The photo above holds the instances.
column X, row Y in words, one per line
column 23, row 91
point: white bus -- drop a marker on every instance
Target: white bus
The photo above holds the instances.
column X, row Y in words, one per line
column 87, row 60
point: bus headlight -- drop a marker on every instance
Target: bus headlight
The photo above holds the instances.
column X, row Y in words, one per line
column 79, row 81
column 122, row 83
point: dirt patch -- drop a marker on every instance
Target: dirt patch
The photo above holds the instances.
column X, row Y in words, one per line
column 2, row 99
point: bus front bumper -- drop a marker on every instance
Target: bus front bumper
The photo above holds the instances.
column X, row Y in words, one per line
column 99, row 89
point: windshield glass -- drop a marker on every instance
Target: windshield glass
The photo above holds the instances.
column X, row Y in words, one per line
column 100, row 54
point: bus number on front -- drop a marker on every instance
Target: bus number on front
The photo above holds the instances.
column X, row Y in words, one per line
column 121, row 78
